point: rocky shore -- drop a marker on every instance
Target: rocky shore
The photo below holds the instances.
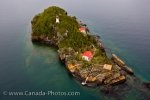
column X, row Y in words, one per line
column 95, row 74
column 82, row 53
column 89, row 73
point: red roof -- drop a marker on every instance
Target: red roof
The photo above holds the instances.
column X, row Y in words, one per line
column 82, row 28
column 88, row 54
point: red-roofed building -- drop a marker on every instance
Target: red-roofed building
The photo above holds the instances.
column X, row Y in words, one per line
column 82, row 29
column 87, row 55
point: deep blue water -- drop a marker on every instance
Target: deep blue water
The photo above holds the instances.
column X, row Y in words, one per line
column 123, row 25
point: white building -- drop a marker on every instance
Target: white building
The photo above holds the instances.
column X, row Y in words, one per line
column 57, row 19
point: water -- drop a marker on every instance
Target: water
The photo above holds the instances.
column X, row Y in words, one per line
column 122, row 24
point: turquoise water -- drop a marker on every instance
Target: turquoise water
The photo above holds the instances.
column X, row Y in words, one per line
column 122, row 24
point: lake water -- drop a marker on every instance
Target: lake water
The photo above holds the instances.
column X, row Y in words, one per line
column 124, row 26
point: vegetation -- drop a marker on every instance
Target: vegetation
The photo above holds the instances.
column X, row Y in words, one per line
column 44, row 25
column 55, row 27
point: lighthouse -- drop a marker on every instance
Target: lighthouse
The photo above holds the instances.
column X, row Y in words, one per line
column 57, row 19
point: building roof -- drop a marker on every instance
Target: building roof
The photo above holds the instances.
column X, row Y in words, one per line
column 87, row 54
column 107, row 66
column 82, row 28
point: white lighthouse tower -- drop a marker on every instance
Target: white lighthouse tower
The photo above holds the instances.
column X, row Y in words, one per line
column 57, row 19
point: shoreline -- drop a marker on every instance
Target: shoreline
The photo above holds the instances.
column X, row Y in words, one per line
column 114, row 58
column 89, row 63
column 106, row 89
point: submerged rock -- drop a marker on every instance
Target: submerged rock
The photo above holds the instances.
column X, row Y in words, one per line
column 147, row 85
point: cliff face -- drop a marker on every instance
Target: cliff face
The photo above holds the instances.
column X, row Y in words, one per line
column 83, row 53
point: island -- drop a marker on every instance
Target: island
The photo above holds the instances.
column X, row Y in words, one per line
column 82, row 53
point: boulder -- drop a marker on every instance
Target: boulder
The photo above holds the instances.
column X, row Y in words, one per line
column 91, row 79
column 118, row 80
column 117, row 60
column 128, row 70
column 71, row 68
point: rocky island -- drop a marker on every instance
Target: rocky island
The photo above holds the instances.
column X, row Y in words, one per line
column 82, row 52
